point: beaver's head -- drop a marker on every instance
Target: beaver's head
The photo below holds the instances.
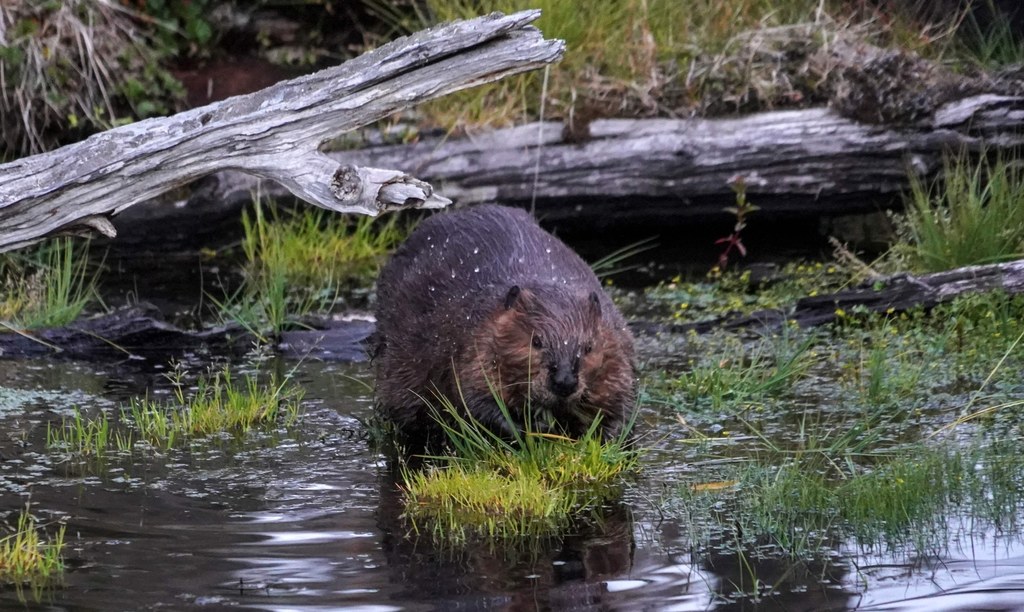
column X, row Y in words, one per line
column 548, row 349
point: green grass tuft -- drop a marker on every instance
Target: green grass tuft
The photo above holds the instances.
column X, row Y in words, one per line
column 219, row 403
column 533, row 486
column 26, row 558
column 974, row 216
column 46, row 286
column 299, row 262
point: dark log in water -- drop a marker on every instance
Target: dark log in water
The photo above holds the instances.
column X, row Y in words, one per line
column 884, row 296
column 140, row 330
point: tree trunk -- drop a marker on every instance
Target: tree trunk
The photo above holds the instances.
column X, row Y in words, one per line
column 274, row 133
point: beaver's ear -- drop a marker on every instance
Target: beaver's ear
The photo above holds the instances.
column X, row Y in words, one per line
column 512, row 296
column 594, row 305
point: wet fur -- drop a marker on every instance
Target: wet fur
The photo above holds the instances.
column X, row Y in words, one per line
column 460, row 306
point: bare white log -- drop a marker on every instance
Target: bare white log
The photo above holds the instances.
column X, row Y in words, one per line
column 275, row 133
column 810, row 161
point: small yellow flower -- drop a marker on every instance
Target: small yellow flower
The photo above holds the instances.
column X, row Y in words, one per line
column 840, row 313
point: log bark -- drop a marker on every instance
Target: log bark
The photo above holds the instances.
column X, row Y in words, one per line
column 275, row 133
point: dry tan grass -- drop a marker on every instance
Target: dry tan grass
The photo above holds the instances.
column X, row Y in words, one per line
column 70, row 68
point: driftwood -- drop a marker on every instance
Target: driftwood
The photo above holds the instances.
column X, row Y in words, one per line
column 808, row 161
column 892, row 295
column 649, row 175
column 274, row 133
column 805, row 162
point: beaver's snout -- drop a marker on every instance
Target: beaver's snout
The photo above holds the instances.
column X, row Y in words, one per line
column 563, row 378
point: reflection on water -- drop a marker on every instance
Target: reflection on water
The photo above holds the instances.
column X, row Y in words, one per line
column 310, row 519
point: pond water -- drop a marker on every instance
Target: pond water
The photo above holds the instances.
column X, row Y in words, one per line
column 309, row 518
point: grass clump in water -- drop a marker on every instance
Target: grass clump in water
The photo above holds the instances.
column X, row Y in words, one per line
column 974, row 216
column 88, row 438
column 909, row 500
column 738, row 292
column 46, row 286
column 298, row 263
column 26, row 558
column 219, row 403
column 532, row 486
column 772, row 368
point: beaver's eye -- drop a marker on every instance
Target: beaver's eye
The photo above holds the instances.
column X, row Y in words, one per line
column 587, row 348
column 537, row 344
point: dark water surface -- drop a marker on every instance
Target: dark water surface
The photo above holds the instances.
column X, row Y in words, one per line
column 309, row 519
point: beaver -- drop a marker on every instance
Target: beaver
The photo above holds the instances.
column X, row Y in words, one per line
column 482, row 303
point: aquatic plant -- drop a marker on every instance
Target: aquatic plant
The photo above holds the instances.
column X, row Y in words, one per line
column 26, row 558
column 975, row 215
column 739, row 292
column 45, row 286
column 87, row 438
column 298, row 262
column 533, row 485
column 904, row 500
column 740, row 211
column 741, row 374
column 839, row 461
column 219, row 403
column 614, row 262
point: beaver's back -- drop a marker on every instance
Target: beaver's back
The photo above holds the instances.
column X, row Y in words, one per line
column 473, row 250
column 452, row 272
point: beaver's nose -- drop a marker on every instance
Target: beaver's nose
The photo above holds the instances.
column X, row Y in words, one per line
column 563, row 380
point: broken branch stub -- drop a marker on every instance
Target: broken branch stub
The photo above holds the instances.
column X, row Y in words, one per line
column 274, row 133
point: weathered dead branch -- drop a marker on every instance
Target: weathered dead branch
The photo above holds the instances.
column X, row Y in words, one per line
column 274, row 133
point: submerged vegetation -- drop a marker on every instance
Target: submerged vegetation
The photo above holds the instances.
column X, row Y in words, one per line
column 45, row 286
column 884, row 432
column 911, row 501
column 26, row 558
column 529, row 487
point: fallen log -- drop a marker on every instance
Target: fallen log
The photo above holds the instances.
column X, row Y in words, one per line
column 809, row 161
column 274, row 133
column 890, row 295
column 140, row 331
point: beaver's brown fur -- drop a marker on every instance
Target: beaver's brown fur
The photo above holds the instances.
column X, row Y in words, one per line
column 482, row 302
